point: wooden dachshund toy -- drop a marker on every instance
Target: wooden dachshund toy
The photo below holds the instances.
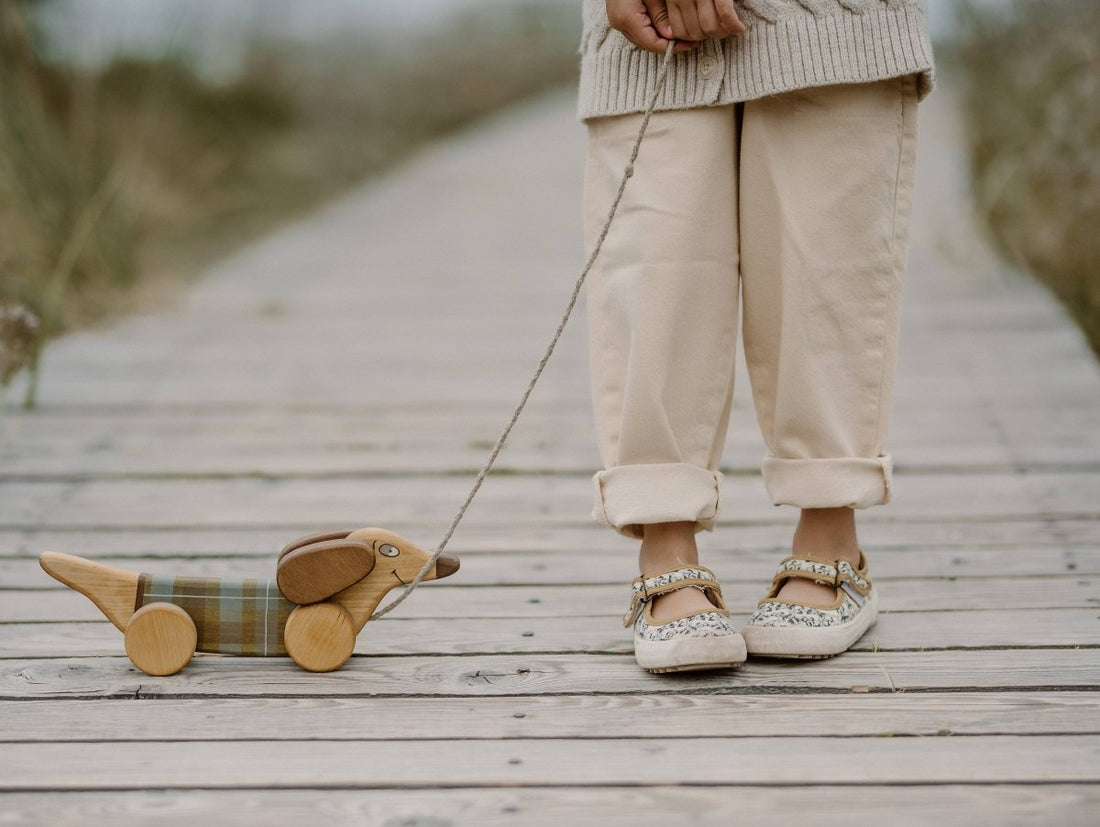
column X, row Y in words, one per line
column 327, row 588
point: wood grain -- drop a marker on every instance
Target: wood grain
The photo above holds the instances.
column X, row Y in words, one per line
column 773, row 534
column 1072, row 805
column 113, row 591
column 453, row 599
column 440, row 763
column 538, row 500
column 320, row 637
column 641, row 715
column 612, row 564
column 319, row 570
column 894, row 631
column 536, row 674
column 160, row 639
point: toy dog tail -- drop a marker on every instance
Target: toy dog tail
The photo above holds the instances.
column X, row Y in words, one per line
column 114, row 591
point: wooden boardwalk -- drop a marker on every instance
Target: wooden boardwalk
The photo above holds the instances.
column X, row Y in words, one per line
column 355, row 368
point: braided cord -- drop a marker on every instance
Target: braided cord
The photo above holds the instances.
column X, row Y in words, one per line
column 628, row 172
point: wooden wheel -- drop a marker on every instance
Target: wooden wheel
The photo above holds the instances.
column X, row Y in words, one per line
column 320, row 637
column 160, row 639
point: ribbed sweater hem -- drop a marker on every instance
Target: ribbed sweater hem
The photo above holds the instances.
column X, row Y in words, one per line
column 796, row 52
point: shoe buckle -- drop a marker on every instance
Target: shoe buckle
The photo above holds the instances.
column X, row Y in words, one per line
column 637, row 599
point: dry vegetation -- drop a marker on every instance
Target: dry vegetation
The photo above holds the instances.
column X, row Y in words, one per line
column 1031, row 76
column 140, row 173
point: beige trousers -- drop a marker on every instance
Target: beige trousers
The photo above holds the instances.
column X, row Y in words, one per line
column 800, row 202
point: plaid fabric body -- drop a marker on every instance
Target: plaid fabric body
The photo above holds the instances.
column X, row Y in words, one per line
column 232, row 617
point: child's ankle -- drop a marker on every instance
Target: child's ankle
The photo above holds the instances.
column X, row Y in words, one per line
column 668, row 546
column 827, row 534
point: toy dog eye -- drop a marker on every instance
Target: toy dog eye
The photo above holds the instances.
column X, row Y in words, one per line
column 388, row 551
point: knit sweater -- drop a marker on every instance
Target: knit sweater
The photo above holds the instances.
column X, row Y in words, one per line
column 788, row 44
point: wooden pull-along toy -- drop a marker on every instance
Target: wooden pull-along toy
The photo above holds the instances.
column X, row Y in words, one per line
column 327, row 588
column 328, row 585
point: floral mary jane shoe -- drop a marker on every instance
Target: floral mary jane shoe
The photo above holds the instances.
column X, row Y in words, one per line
column 701, row 640
column 782, row 629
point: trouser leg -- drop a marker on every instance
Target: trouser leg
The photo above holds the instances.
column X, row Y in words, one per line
column 662, row 304
column 826, row 187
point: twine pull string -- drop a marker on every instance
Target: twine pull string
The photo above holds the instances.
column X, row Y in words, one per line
column 628, row 172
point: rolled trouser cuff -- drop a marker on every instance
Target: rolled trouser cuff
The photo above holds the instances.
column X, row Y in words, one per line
column 630, row 496
column 855, row 482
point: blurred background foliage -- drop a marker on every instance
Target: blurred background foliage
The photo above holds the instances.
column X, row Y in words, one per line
column 123, row 175
column 1029, row 75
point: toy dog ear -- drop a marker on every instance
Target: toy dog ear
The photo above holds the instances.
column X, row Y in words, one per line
column 312, row 538
column 315, row 571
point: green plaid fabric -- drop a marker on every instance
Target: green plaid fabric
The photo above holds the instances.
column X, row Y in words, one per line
column 233, row 617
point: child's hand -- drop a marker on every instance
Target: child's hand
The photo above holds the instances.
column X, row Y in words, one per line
column 651, row 24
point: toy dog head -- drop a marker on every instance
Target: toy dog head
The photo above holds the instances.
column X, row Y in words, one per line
column 317, row 567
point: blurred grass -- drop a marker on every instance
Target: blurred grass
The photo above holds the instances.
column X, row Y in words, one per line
column 1030, row 72
column 118, row 183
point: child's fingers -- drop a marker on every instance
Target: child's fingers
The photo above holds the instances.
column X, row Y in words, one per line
column 634, row 24
column 649, row 40
column 658, row 15
column 646, row 25
column 727, row 17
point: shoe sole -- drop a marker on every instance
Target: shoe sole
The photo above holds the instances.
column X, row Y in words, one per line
column 690, row 654
column 810, row 643
column 693, row 667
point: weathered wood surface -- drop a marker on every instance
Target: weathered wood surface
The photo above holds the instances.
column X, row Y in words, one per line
column 138, row 540
column 280, row 442
column 565, row 564
column 441, row 600
column 506, row 500
column 536, row 674
column 355, row 368
column 977, row 629
column 613, row 761
column 1018, row 712
column 1072, row 805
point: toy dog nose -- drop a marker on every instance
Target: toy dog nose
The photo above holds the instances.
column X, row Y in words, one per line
column 445, row 566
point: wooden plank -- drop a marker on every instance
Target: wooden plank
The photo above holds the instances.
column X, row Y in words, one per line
column 398, row 363
column 539, row 674
column 448, row 446
column 541, row 454
column 228, row 765
column 1006, row 628
column 549, row 438
column 1071, row 805
column 448, row 599
column 611, row 565
column 553, row 716
column 513, row 500
column 774, row 533
column 563, row 394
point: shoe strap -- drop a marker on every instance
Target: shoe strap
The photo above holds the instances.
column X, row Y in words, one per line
column 644, row 589
column 827, row 574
